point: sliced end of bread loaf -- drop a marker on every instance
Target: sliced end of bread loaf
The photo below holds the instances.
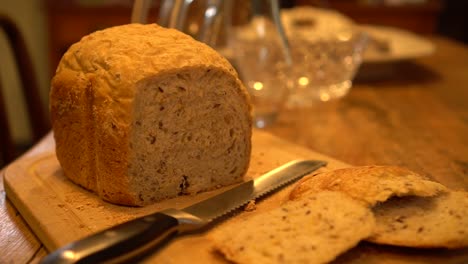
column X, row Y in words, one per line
column 190, row 133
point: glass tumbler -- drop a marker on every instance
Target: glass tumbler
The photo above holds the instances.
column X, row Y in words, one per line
column 248, row 33
column 258, row 49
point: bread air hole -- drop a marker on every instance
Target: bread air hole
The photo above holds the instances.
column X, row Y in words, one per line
column 162, row 167
column 184, row 184
column 227, row 119
column 231, row 147
column 161, row 126
column 151, row 139
column 183, row 77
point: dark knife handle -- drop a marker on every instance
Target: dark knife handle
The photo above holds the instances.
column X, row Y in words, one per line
column 119, row 242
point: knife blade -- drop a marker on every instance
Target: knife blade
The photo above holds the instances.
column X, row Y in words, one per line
column 130, row 239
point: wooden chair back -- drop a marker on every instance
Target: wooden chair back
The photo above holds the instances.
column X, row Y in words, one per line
column 38, row 119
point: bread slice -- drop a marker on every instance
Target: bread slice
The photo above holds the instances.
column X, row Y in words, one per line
column 423, row 222
column 314, row 229
column 141, row 113
column 370, row 184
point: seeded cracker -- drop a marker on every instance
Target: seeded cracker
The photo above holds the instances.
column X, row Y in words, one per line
column 370, row 184
column 440, row 221
column 314, row 229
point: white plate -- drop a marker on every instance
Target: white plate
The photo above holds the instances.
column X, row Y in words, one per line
column 388, row 44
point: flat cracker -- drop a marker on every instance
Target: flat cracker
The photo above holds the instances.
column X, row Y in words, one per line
column 370, row 184
column 314, row 229
column 423, row 222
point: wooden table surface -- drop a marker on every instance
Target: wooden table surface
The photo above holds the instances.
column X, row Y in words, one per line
column 414, row 115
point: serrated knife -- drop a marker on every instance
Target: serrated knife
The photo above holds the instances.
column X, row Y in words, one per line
column 129, row 239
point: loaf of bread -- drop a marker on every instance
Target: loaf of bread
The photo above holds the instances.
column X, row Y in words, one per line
column 142, row 113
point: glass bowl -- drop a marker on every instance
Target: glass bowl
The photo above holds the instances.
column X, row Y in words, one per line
column 326, row 49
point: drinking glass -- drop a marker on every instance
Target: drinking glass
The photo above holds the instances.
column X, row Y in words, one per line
column 249, row 33
column 258, row 49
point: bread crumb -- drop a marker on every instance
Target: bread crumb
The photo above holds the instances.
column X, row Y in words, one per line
column 251, row 206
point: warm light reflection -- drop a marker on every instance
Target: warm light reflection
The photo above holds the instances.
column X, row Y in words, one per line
column 210, row 11
column 258, row 86
column 344, row 35
column 303, row 81
column 324, row 97
column 68, row 254
column 193, row 28
column 348, row 60
column 260, row 26
column 260, row 123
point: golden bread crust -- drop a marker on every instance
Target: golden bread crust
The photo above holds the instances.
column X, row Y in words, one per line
column 92, row 99
column 370, row 184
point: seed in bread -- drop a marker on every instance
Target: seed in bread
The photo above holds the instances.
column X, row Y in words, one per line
column 370, row 184
column 423, row 222
column 314, row 229
column 141, row 113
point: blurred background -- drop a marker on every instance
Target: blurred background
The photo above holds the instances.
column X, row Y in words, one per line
column 49, row 27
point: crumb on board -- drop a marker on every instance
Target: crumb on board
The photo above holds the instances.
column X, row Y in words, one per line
column 250, row 206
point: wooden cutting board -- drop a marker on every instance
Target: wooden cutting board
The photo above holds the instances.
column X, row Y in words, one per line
column 60, row 212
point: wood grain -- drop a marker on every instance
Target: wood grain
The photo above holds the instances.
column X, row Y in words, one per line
column 18, row 244
column 67, row 212
column 415, row 115
column 15, row 235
